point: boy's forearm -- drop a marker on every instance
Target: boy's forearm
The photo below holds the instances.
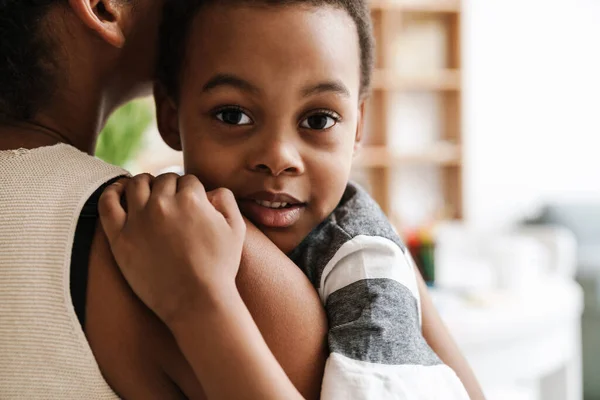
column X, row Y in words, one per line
column 437, row 336
column 227, row 366
column 286, row 309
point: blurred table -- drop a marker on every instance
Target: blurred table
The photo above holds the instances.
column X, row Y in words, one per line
column 529, row 340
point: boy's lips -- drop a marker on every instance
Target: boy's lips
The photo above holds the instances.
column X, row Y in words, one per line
column 272, row 210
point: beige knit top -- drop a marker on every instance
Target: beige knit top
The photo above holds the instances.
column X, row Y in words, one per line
column 43, row 351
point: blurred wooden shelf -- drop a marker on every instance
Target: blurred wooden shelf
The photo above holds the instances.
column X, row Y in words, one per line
column 404, row 29
column 424, row 6
column 440, row 154
column 444, row 80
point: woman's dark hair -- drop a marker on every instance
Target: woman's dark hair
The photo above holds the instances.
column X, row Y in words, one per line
column 26, row 64
column 179, row 14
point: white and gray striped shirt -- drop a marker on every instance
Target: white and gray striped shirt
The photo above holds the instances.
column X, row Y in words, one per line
column 367, row 283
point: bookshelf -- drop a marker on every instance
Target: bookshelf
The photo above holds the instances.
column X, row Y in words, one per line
column 437, row 78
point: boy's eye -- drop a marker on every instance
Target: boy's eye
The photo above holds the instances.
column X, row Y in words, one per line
column 233, row 116
column 319, row 121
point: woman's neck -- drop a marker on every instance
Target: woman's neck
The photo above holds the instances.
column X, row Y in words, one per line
column 28, row 136
column 72, row 121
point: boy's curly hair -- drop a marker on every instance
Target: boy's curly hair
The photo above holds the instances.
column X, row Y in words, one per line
column 179, row 14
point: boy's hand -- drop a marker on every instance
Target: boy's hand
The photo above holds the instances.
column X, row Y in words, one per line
column 175, row 244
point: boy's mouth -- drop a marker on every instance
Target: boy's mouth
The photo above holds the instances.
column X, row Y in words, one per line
column 274, row 205
column 272, row 210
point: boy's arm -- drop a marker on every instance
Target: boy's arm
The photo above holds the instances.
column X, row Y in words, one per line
column 377, row 349
column 139, row 357
column 437, row 336
column 287, row 310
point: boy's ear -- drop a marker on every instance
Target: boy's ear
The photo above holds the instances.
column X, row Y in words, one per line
column 360, row 127
column 167, row 117
column 106, row 17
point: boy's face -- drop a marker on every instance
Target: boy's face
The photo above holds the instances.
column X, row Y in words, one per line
column 270, row 108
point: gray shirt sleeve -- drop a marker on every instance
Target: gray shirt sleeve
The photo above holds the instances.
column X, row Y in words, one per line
column 367, row 283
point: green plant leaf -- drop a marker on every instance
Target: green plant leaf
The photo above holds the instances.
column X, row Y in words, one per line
column 122, row 137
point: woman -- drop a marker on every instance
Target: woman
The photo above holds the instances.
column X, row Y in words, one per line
column 64, row 69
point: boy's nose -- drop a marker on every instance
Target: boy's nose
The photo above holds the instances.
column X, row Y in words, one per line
column 278, row 158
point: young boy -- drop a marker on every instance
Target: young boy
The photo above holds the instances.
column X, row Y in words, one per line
column 266, row 98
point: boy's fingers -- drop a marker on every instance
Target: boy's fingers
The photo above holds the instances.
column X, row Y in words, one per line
column 192, row 184
column 138, row 192
column 165, row 185
column 112, row 214
column 224, row 202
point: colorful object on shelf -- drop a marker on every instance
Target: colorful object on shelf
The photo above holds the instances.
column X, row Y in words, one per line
column 421, row 245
